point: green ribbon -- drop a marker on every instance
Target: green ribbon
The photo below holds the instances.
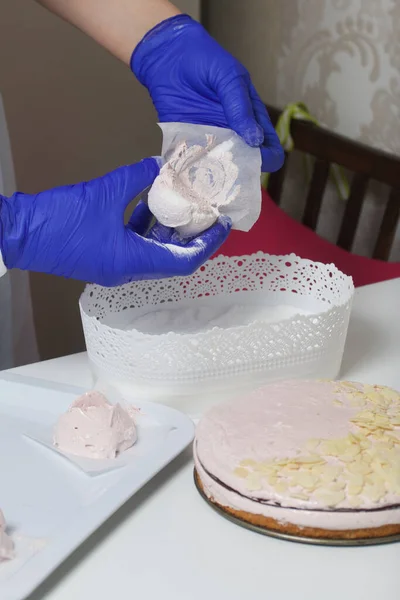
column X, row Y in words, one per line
column 298, row 110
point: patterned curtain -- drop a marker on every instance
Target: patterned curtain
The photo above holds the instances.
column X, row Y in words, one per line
column 340, row 57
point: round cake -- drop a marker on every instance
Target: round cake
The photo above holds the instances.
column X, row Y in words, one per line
column 316, row 459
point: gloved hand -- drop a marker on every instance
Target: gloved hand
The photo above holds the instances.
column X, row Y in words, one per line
column 78, row 231
column 192, row 79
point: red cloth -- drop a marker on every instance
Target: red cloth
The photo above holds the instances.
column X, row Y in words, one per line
column 277, row 233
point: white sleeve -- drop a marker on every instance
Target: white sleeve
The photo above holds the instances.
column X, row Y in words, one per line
column 7, row 176
column 3, row 268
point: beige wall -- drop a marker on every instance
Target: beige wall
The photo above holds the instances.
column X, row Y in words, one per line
column 250, row 31
column 74, row 112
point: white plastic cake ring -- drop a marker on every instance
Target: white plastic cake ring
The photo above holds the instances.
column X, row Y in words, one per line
column 191, row 371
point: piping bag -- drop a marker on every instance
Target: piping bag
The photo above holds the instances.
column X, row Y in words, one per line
column 207, row 172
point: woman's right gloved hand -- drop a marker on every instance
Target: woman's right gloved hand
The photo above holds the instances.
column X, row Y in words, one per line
column 78, row 232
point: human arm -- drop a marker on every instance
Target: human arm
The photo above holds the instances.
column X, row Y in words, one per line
column 117, row 25
column 189, row 76
column 78, row 232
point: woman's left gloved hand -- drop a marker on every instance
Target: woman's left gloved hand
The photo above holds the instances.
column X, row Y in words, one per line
column 192, row 79
column 78, row 232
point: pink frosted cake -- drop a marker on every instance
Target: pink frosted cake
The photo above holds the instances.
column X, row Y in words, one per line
column 316, row 459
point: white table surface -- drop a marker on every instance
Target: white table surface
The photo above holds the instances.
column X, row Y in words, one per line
column 167, row 544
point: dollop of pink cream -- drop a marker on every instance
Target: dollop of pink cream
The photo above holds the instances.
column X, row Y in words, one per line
column 94, row 428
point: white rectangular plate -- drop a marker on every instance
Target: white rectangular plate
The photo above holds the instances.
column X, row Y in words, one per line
column 50, row 505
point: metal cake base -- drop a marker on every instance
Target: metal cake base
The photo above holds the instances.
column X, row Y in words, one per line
column 295, row 538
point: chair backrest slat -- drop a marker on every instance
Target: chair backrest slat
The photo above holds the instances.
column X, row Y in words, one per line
column 315, row 193
column 363, row 162
column 276, row 181
column 352, row 213
column 388, row 228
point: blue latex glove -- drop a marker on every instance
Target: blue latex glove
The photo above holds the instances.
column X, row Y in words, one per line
column 78, row 231
column 192, row 79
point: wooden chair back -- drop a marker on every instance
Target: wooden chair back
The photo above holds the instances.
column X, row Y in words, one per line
column 363, row 162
